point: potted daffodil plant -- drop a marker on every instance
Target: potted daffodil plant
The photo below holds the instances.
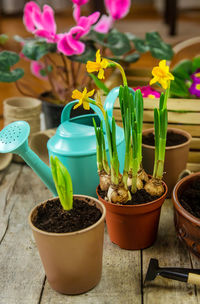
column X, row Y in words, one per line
column 178, row 140
column 58, row 57
column 132, row 198
column 69, row 232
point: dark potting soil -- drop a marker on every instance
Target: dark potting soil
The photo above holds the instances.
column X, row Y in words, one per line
column 52, row 218
column 190, row 198
column 173, row 139
column 140, row 197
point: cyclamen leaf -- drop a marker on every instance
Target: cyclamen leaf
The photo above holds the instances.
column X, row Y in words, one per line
column 131, row 58
column 7, row 60
column 158, row 48
column 35, row 50
column 118, row 43
column 11, row 76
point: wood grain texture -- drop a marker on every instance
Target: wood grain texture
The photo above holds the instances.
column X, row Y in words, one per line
column 171, row 253
column 120, row 282
column 21, row 271
column 22, row 279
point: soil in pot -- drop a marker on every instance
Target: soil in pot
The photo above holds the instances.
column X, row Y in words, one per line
column 173, row 139
column 140, row 197
column 190, row 198
column 51, row 217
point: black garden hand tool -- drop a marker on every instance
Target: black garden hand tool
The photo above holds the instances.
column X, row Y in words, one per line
column 180, row 274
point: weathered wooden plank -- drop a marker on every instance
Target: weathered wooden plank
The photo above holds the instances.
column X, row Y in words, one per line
column 8, row 180
column 192, row 129
column 173, row 104
column 195, row 143
column 120, row 282
column 181, row 118
column 193, row 167
column 194, row 157
column 22, row 275
column 170, row 252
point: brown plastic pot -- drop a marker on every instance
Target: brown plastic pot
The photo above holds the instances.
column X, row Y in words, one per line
column 176, row 158
column 187, row 226
column 72, row 261
column 133, row 227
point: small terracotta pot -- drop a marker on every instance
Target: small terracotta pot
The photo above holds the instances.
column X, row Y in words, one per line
column 176, row 158
column 187, row 225
column 133, row 227
column 72, row 261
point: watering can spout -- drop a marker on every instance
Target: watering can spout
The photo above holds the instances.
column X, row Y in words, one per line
column 14, row 139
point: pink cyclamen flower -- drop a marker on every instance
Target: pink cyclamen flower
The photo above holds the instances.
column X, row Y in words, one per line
column 117, row 9
column 104, row 24
column 69, row 44
column 80, row 2
column 148, row 91
column 40, row 23
column 86, row 23
column 36, row 67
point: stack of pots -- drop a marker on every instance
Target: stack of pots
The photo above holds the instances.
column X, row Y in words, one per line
column 22, row 108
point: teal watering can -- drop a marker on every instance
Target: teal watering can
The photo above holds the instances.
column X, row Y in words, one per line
column 74, row 144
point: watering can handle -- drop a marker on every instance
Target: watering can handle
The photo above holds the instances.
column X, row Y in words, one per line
column 65, row 116
column 110, row 100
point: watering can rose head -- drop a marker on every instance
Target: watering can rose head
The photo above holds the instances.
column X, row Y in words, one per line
column 55, row 56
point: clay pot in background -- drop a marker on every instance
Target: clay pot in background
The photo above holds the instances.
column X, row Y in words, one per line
column 38, row 143
column 187, row 225
column 5, row 160
column 72, row 261
column 133, row 227
column 176, row 158
column 22, row 108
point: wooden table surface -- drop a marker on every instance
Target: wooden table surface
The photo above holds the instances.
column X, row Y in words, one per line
column 22, row 278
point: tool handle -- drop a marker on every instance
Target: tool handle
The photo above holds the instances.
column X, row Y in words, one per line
column 193, row 278
column 174, row 275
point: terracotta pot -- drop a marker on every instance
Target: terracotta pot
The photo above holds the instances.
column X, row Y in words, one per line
column 72, row 261
column 133, row 227
column 187, row 226
column 176, row 158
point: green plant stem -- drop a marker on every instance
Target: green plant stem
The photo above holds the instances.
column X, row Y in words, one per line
column 167, row 92
column 115, row 64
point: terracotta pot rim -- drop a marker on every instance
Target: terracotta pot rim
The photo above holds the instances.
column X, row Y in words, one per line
column 68, row 233
column 176, row 130
column 137, row 206
column 177, row 204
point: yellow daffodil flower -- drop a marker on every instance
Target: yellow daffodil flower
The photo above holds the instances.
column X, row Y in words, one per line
column 83, row 98
column 98, row 66
column 162, row 75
